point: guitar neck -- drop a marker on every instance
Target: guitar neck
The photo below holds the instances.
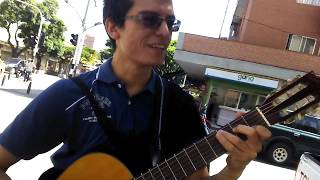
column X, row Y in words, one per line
column 201, row 153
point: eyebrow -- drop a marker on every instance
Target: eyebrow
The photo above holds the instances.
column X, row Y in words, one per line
column 154, row 12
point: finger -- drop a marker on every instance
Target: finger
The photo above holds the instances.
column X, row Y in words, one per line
column 239, row 114
column 235, row 146
column 230, row 142
column 263, row 132
column 253, row 138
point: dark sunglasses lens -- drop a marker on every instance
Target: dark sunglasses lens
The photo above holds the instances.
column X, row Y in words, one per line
column 151, row 20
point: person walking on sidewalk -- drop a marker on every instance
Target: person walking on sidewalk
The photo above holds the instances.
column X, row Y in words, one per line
column 155, row 117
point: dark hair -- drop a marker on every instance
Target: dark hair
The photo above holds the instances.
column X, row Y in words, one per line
column 116, row 10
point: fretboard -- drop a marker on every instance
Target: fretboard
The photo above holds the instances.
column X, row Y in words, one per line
column 199, row 154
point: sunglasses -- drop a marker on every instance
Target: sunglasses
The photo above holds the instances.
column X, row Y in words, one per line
column 153, row 20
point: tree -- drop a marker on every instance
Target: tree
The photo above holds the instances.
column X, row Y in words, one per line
column 54, row 29
column 107, row 52
column 170, row 67
column 65, row 58
column 26, row 19
column 15, row 15
column 88, row 56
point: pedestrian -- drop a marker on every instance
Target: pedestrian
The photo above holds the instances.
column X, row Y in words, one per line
column 151, row 117
column 28, row 70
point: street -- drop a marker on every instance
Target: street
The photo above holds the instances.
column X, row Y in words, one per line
column 14, row 98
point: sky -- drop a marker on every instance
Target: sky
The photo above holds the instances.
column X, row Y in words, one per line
column 201, row 17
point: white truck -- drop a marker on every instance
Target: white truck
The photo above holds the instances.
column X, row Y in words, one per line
column 308, row 168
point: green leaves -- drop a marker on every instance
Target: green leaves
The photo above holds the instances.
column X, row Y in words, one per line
column 170, row 66
column 27, row 20
column 89, row 56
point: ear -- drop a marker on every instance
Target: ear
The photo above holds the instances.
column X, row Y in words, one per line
column 112, row 29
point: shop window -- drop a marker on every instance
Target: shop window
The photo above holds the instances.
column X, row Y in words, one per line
column 242, row 100
column 301, row 44
column 232, row 98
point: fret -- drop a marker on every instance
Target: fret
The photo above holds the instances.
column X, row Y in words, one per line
column 165, row 170
column 204, row 149
column 156, row 174
column 195, row 157
column 199, row 153
column 170, row 169
column 176, row 167
column 245, row 121
column 263, row 117
column 185, row 162
column 180, row 165
column 151, row 174
column 147, row 175
column 219, row 150
column 211, row 148
column 231, row 128
column 190, row 160
column 160, row 172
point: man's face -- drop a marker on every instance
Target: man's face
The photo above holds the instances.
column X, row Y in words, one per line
column 138, row 41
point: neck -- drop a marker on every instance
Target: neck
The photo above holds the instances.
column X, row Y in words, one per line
column 133, row 75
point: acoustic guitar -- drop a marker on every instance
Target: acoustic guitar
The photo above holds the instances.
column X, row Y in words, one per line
column 282, row 106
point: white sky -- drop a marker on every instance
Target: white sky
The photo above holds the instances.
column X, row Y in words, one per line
column 202, row 17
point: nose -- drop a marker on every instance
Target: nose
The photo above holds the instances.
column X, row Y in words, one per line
column 163, row 30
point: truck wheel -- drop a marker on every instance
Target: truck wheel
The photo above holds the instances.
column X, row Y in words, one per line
column 280, row 153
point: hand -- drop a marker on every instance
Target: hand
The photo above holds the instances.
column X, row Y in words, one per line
column 241, row 152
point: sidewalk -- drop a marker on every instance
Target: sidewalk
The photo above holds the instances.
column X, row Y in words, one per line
column 19, row 87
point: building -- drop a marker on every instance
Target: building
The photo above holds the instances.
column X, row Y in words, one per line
column 89, row 41
column 265, row 48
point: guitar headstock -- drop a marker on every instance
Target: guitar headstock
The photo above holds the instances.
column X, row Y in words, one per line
column 291, row 102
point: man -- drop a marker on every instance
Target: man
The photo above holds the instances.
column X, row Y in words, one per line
column 29, row 68
column 128, row 91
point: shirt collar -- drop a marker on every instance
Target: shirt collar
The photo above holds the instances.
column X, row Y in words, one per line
column 105, row 74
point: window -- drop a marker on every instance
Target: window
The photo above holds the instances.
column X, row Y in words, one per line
column 309, row 124
column 310, row 2
column 242, row 100
column 301, row 44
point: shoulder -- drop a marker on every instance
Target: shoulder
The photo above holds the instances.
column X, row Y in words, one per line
column 64, row 92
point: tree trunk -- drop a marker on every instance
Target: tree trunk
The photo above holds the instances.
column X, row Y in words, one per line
column 38, row 65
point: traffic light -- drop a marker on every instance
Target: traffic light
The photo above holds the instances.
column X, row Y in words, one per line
column 74, row 39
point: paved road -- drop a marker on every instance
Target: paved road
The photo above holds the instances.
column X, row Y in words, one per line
column 14, row 98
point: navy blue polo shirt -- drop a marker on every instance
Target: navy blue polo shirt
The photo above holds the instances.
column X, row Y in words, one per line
column 47, row 121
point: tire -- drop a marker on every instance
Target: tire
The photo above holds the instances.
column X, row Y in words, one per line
column 280, row 153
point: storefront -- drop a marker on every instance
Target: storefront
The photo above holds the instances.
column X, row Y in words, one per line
column 239, row 76
column 235, row 91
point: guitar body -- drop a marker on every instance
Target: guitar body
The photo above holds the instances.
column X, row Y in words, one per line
column 97, row 166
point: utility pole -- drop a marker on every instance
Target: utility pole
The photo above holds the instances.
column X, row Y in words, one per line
column 224, row 17
column 81, row 36
column 36, row 48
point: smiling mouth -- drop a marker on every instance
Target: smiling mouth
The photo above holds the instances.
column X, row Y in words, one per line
column 158, row 46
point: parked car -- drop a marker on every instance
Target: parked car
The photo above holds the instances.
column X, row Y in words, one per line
column 14, row 65
column 289, row 142
column 2, row 66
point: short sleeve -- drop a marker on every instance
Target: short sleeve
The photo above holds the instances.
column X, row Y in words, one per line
column 40, row 126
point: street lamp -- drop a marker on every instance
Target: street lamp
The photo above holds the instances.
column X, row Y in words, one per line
column 80, row 42
column 35, row 49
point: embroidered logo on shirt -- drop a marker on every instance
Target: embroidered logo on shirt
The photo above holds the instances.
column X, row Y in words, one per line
column 87, row 112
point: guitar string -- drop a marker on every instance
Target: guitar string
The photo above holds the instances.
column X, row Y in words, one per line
column 264, row 108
